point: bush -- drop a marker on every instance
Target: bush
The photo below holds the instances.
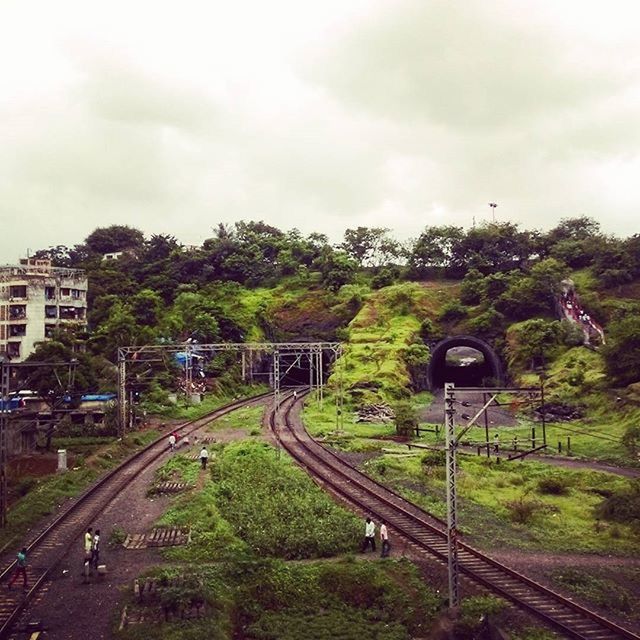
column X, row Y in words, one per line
column 434, row 459
column 473, row 613
column 25, row 485
column 553, row 485
column 622, row 506
column 117, row 536
column 406, row 419
column 524, row 509
column 452, row 312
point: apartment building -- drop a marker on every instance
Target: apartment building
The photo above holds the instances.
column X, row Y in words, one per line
column 35, row 298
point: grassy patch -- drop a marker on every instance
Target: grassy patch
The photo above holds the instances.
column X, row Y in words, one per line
column 605, row 592
column 510, row 503
column 375, row 364
column 255, row 502
column 248, row 418
column 47, row 494
column 178, row 468
column 269, row 600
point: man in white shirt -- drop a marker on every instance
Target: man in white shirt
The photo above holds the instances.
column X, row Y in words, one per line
column 369, row 535
column 204, row 456
column 384, row 539
column 172, row 442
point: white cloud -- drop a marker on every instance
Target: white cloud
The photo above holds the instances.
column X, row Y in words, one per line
column 398, row 113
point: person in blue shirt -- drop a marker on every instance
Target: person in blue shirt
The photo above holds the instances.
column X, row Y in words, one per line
column 21, row 568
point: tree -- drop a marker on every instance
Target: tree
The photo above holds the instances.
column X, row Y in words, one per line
column 370, row 246
column 531, row 343
column 434, row 249
column 622, row 351
column 114, row 238
column 57, row 384
column 575, row 241
column 146, row 307
column 492, row 247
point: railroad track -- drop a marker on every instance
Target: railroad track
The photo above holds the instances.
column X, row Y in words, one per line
column 428, row 533
column 49, row 546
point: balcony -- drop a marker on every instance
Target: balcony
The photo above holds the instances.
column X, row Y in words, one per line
column 72, row 313
column 18, row 292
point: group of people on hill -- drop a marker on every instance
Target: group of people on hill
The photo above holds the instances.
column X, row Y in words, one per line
column 370, row 537
column 175, row 441
column 574, row 312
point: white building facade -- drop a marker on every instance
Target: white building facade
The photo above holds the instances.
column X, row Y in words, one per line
column 35, row 299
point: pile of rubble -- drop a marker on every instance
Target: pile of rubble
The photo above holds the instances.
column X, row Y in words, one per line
column 375, row 413
column 556, row 412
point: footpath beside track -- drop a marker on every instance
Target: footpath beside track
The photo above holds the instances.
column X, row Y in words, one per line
column 50, row 545
column 428, row 533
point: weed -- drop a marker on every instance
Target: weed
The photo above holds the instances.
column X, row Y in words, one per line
column 117, row 536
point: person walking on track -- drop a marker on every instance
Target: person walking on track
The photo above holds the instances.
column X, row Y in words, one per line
column 204, row 457
column 21, row 569
column 369, row 535
column 384, row 540
column 88, row 544
column 95, row 550
column 172, row 441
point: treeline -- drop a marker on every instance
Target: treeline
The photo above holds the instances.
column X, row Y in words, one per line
column 257, row 254
column 158, row 289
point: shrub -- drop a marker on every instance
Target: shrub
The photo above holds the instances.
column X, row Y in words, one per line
column 453, row 311
column 473, row 613
column 406, row 419
column 524, row 509
column 553, row 485
column 25, row 485
column 117, row 536
column 434, row 459
column 622, row 506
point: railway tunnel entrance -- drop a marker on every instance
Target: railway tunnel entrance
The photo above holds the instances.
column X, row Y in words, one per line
column 466, row 361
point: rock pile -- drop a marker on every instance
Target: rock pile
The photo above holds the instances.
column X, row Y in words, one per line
column 556, row 412
column 375, row 413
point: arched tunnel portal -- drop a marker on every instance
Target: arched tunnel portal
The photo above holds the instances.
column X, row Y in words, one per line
column 467, row 371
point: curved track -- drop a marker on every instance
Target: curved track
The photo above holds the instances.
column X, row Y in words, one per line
column 50, row 545
column 429, row 534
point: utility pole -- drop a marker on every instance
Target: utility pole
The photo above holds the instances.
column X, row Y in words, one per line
column 452, row 512
column 4, row 425
column 493, row 206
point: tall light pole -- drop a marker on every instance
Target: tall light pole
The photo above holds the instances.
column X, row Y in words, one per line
column 493, row 206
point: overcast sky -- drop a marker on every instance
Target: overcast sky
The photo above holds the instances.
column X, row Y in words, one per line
column 322, row 115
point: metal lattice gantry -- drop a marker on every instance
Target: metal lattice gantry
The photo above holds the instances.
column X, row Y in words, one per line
column 284, row 357
column 490, row 397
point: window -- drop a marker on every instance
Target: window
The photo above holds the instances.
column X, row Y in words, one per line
column 50, row 293
column 17, row 311
column 50, row 311
column 18, row 291
column 17, row 330
column 13, row 349
column 65, row 291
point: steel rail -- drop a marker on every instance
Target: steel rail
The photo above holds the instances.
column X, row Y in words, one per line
column 372, row 497
column 111, row 483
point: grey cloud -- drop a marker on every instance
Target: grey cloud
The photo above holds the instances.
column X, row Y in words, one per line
column 458, row 64
column 116, row 90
